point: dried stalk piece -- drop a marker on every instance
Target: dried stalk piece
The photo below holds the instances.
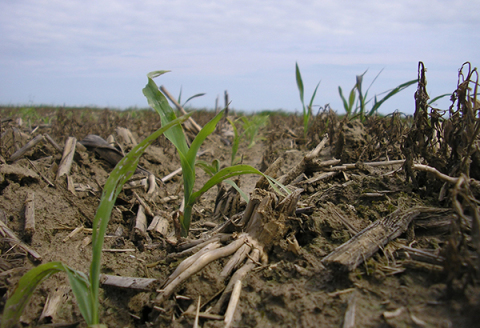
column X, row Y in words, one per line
column 29, row 215
column 15, row 241
column 307, row 164
column 271, row 171
column 53, row 143
column 232, row 305
column 159, row 225
column 74, row 232
column 126, row 136
column 171, row 175
column 22, row 174
column 29, row 145
column 349, row 318
column 144, row 204
column 67, row 158
column 141, row 223
column 145, row 284
column 227, row 202
column 364, row 244
column 54, row 300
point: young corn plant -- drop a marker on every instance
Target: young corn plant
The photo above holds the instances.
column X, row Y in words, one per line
column 85, row 288
column 190, row 98
column 307, row 110
column 214, row 167
column 251, row 126
column 188, row 155
column 360, row 109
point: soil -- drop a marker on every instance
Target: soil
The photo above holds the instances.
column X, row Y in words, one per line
column 295, row 289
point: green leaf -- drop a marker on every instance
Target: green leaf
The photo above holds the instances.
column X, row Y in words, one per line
column 155, row 74
column 179, row 100
column 313, row 97
column 120, row 174
column 207, row 130
column 299, row 83
column 439, row 97
column 159, row 103
column 237, row 188
column 351, row 98
column 345, row 104
column 192, row 97
column 26, row 286
column 236, row 142
column 209, row 169
column 227, row 173
column 83, row 294
column 393, row 92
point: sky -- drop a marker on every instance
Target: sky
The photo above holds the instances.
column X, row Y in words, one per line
column 97, row 53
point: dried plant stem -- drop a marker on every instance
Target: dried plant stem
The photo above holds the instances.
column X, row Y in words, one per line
column 239, row 275
column 54, row 300
column 29, row 145
column 349, row 319
column 232, row 305
column 364, row 244
column 141, row 223
column 146, row 284
column 30, row 215
column 191, row 260
column 351, row 166
column 307, row 163
column 197, row 314
column 171, row 175
column 14, row 240
column 67, row 158
column 438, row 174
column 199, row 264
column 53, row 143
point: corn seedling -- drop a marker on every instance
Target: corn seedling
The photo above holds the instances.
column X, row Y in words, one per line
column 361, row 103
column 212, row 169
column 85, row 288
column 188, row 155
column 307, row 110
column 251, row 126
column 236, row 142
column 186, row 101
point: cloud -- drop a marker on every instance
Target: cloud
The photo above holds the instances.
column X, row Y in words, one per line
column 237, row 43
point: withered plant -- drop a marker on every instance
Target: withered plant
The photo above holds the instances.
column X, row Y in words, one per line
column 445, row 143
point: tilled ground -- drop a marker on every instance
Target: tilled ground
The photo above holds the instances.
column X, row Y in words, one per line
column 412, row 280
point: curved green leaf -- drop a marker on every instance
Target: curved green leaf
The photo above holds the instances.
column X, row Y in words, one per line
column 237, row 188
column 393, row 92
column 192, row 97
column 345, row 104
column 298, row 77
column 439, row 97
column 209, row 169
column 236, row 142
column 26, row 286
column 83, row 294
column 117, row 178
column 159, row 103
column 207, row 130
column 313, row 96
column 230, row 172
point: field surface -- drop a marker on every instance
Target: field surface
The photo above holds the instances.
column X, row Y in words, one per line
column 372, row 235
